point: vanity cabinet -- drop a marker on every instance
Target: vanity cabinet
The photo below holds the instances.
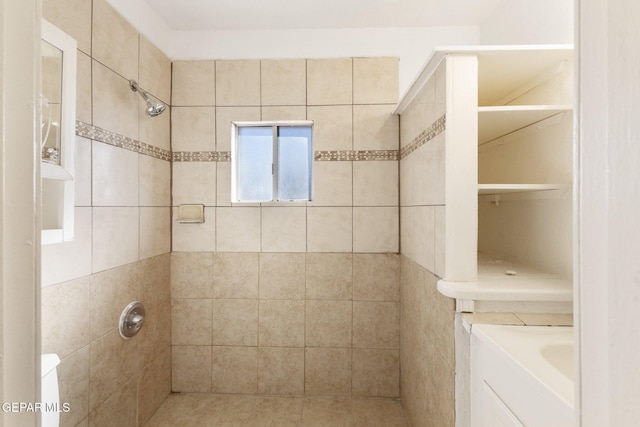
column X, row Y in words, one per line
column 518, row 155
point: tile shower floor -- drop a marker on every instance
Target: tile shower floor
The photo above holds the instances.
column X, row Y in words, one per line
column 206, row 410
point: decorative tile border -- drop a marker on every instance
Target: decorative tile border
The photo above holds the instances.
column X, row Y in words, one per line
column 425, row 136
column 96, row 133
column 355, row 155
column 201, row 156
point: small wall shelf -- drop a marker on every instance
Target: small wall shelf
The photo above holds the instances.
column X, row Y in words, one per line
column 498, row 121
column 491, row 189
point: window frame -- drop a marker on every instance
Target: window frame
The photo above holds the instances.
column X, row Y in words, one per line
column 275, row 125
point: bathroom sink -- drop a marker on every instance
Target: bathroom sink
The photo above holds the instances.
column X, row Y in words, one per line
column 560, row 356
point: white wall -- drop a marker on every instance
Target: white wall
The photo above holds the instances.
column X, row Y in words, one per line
column 411, row 45
column 529, row 22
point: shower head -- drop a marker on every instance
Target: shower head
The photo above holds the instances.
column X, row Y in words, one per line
column 154, row 108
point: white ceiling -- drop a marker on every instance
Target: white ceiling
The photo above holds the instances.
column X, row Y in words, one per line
column 310, row 14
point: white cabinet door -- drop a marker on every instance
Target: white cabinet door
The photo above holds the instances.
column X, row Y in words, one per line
column 494, row 412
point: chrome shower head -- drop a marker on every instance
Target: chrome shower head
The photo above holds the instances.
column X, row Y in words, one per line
column 154, row 108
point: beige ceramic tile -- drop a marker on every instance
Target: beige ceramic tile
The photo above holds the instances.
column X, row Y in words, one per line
column 184, row 409
column 329, row 276
column 192, row 274
column 112, row 362
column 83, row 88
column 282, row 276
column 329, row 324
column 69, row 260
column 109, row 293
column 223, row 184
column 284, row 112
column 194, row 237
column 283, row 82
column 154, row 386
column 155, row 336
column 376, row 373
column 543, row 319
column 194, row 183
column 193, row 129
column 384, row 412
column 332, row 127
column 224, row 117
column 329, row 229
column 329, row 81
column 375, row 183
column 376, row 277
column 281, row 323
column 73, row 383
column 194, row 83
column 235, row 322
column 375, row 127
column 155, row 131
column 191, row 321
column 114, row 176
column 375, row 80
column 155, row 231
column 73, row 17
column 375, row 229
column 234, row 370
column 332, row 184
column 154, row 181
column 284, row 229
column 277, row 412
column 114, row 40
column 191, row 369
column 155, row 280
column 440, row 243
column 155, row 71
column 115, row 237
column 237, row 82
column 235, row 275
column 60, row 303
column 235, row 411
column 327, row 371
column 120, row 409
column 327, row 412
column 82, row 176
column 493, row 318
column 280, row 370
column 115, row 105
column 238, row 229
column 418, row 221
column 376, row 324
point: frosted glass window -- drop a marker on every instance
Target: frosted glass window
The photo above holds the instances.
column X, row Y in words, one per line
column 272, row 161
column 254, row 162
column 294, row 163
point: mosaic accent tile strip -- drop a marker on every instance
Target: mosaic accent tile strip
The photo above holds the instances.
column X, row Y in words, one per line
column 425, row 136
column 96, row 133
column 201, row 156
column 355, row 155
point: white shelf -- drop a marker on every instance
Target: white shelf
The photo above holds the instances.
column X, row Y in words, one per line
column 490, row 189
column 493, row 284
column 494, row 122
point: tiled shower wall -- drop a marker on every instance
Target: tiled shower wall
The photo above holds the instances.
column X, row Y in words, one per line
column 122, row 227
column 288, row 298
column 427, row 332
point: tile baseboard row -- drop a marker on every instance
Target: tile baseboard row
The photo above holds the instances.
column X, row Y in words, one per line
column 96, row 133
column 425, row 136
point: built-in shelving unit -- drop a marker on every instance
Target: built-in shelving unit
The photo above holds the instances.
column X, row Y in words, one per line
column 497, row 121
column 524, row 158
